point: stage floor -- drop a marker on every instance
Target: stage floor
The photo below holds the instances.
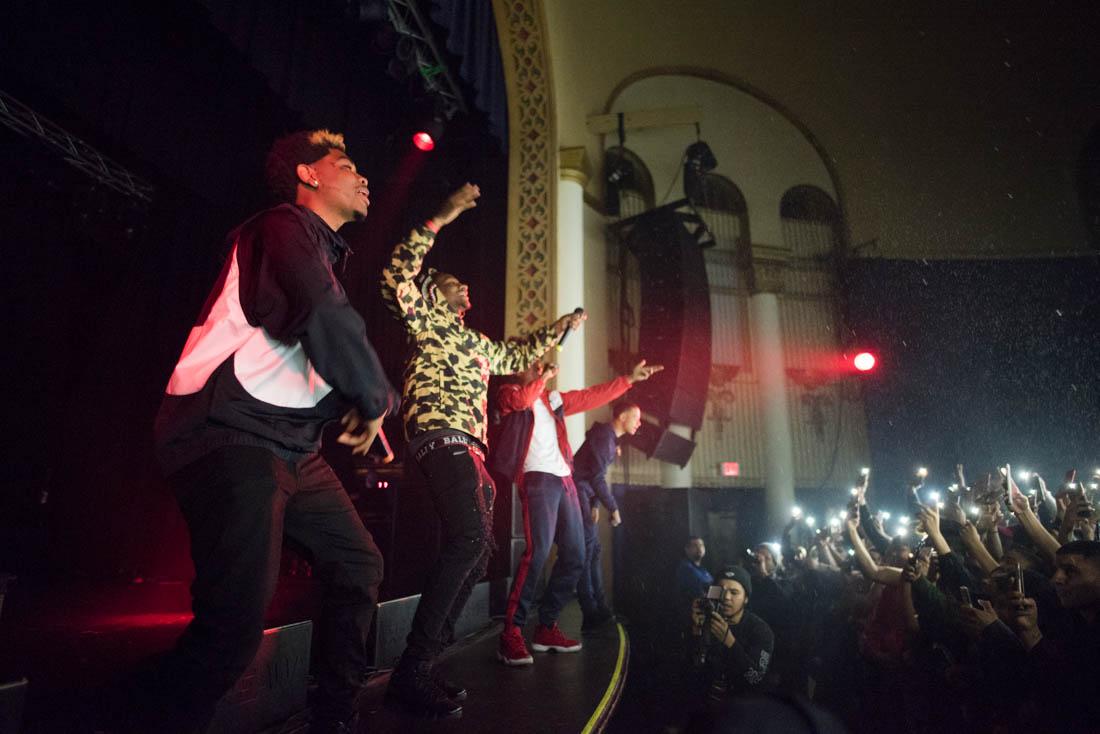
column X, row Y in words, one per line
column 561, row 692
column 73, row 647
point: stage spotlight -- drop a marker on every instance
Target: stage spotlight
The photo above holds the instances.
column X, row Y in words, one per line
column 428, row 136
column 864, row 361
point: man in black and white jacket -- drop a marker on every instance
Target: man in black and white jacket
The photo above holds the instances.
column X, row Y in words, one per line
column 276, row 353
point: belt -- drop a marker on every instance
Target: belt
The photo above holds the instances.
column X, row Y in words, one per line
column 450, row 439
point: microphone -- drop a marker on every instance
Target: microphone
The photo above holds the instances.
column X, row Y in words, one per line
column 565, row 333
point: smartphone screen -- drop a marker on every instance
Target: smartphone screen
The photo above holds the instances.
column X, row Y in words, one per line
column 964, row 592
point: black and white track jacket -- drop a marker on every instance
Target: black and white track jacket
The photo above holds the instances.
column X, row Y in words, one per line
column 277, row 350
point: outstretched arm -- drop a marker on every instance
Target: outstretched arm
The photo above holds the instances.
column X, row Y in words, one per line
column 579, row 401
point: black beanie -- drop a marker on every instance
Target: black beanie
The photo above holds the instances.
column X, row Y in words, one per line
column 740, row 575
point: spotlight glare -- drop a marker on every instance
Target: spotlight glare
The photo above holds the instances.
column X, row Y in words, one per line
column 864, row 361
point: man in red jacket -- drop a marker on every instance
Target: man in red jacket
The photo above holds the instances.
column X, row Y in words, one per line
column 536, row 452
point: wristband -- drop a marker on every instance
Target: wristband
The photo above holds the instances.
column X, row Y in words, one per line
column 431, row 226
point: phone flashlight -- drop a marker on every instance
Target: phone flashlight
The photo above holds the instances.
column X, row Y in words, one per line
column 796, row 512
column 922, row 472
column 865, row 471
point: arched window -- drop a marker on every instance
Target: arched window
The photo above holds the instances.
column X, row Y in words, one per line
column 810, row 222
column 722, row 206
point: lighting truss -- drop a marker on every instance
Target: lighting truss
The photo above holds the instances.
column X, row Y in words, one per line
column 410, row 24
column 25, row 121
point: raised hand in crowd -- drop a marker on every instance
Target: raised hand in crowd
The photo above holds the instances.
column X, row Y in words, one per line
column 1078, row 518
column 975, row 619
column 1021, row 508
column 972, row 541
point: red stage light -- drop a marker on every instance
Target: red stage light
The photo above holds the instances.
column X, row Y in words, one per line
column 864, row 361
column 423, row 141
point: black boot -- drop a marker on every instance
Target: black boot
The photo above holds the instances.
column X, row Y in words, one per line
column 455, row 691
column 597, row 619
column 412, row 689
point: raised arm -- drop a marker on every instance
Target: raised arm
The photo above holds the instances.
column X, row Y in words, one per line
column 400, row 291
column 882, row 574
column 1047, row 544
column 977, row 550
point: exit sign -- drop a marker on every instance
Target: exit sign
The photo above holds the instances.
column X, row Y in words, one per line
column 730, row 468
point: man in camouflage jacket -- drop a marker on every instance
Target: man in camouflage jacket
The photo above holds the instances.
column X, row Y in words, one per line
column 444, row 414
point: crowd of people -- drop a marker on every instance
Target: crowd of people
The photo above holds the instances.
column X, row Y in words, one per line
column 978, row 613
column 981, row 616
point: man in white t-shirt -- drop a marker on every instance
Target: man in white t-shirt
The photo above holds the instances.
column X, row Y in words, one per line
column 534, row 449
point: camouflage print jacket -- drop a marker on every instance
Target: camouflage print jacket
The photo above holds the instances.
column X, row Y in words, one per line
column 447, row 377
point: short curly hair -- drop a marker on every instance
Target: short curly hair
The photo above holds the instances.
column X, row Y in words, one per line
column 304, row 146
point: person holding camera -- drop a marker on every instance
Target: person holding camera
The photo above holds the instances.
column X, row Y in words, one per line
column 735, row 646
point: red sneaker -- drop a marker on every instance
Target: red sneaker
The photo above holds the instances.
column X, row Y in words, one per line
column 513, row 650
column 551, row 638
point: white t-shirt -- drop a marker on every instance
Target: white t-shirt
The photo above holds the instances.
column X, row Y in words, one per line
column 544, row 454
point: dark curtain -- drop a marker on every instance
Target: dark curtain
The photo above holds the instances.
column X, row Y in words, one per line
column 472, row 37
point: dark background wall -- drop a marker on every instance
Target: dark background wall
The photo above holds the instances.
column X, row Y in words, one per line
column 100, row 291
column 982, row 362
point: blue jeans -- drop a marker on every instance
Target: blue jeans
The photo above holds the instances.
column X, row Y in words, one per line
column 590, row 584
column 551, row 514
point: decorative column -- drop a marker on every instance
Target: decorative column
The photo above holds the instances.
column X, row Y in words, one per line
column 769, row 264
column 574, row 171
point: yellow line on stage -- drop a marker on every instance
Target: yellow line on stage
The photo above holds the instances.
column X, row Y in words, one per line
column 607, row 695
